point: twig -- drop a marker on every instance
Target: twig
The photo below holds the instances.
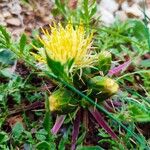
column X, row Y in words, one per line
column 32, row 106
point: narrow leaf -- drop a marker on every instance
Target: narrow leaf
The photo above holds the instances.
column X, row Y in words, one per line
column 59, row 121
column 119, row 68
column 75, row 132
column 99, row 118
column 47, row 118
column 6, row 35
column 22, row 42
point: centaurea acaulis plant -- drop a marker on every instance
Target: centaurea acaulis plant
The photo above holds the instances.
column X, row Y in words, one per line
column 68, row 53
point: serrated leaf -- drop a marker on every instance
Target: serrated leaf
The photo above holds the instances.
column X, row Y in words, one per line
column 47, row 118
column 22, row 42
column 4, row 37
column 17, row 130
column 41, row 135
column 47, row 122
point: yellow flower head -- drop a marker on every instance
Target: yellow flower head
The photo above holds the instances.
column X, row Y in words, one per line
column 64, row 44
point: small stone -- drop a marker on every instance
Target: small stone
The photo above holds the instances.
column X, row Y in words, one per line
column 6, row 14
column 120, row 1
column 17, row 31
column 109, row 5
column 137, row 1
column 125, row 5
column 3, row 23
column 106, row 17
column 2, row 20
column 148, row 3
column 13, row 21
column 121, row 15
column 1, row 17
column 15, row 7
column 134, row 12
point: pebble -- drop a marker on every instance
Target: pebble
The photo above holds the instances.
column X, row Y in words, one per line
column 124, row 5
column 6, row 14
column 2, row 20
column 134, row 12
column 121, row 15
column 18, row 31
column 13, row 21
column 106, row 16
column 109, row 10
column 14, row 7
column 109, row 5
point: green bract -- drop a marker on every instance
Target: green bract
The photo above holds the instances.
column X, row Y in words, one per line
column 104, row 61
column 62, row 101
column 102, row 87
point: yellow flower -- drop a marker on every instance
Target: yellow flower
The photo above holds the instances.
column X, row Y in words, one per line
column 63, row 44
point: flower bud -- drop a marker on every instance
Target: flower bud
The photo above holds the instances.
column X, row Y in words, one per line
column 62, row 101
column 102, row 87
column 104, row 61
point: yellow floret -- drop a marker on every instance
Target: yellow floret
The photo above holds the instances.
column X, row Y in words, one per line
column 64, row 44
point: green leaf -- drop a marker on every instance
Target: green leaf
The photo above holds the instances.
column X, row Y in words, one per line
column 27, row 146
column 47, row 122
column 43, row 146
column 81, row 137
column 17, row 97
column 1, row 97
column 90, row 148
column 41, row 135
column 6, row 57
column 6, row 72
column 61, row 7
column 57, row 68
column 22, row 42
column 139, row 30
column 17, row 130
column 93, row 9
column 4, row 38
column 69, row 64
column 3, row 137
column 64, row 140
column 145, row 63
column 138, row 114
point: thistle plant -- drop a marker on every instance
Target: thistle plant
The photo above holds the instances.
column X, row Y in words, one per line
column 84, row 76
column 68, row 53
